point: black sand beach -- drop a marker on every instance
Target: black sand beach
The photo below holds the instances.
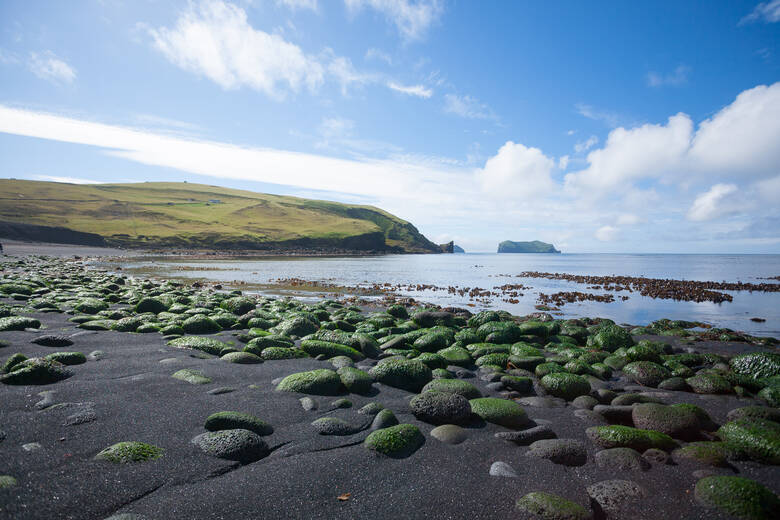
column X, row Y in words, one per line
column 125, row 392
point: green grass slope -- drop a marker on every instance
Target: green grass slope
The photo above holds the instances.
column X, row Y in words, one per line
column 184, row 215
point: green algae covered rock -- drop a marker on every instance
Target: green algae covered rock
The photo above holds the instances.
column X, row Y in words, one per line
column 564, row 385
column 67, row 358
column 237, row 420
column 543, row 369
column 153, row 305
column 317, row 382
column 551, row 507
column 12, row 361
column 740, row 497
column 709, row 453
column 191, row 376
column 441, row 408
column 756, row 364
column 709, row 383
column 238, row 305
column 617, row 436
column 611, row 338
column 770, row 394
column 277, row 353
column 315, row 347
column 675, row 421
column 208, row 345
column 130, row 451
column 754, row 412
column 242, row 358
column 407, row 374
column 646, row 373
column 355, row 380
column 237, row 444
column 453, row 386
column 7, row 481
column 399, row 441
column 90, row 306
column 36, row 371
column 18, row 323
column 500, row 411
column 758, row 439
column 200, row 324
column 297, row 326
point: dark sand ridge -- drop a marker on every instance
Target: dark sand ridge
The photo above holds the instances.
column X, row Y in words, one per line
column 134, row 398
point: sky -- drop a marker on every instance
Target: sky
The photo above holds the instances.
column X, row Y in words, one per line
column 640, row 127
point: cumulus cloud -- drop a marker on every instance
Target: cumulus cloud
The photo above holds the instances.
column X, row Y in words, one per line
column 517, row 172
column 49, row 67
column 411, row 90
column 767, row 12
column 674, row 79
column 714, row 203
column 214, row 39
column 607, row 234
column 411, row 18
column 563, row 162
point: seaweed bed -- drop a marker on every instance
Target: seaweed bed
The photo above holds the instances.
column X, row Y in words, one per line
column 156, row 399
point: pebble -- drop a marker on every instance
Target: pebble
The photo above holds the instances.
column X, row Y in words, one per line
column 502, row 469
column 612, row 494
column 623, row 459
column 526, row 437
column 542, row 402
column 449, row 433
column 96, row 355
column 47, row 401
column 221, row 390
column 569, row 452
column 308, row 403
column 31, row 446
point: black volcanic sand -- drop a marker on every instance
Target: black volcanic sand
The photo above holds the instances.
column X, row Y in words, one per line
column 134, row 398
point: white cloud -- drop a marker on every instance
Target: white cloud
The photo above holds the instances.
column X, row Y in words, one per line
column 411, row 18
column 743, row 137
column 571, row 132
column 767, row 12
column 341, row 68
column 607, row 234
column 467, row 106
column 411, row 90
column 714, row 203
column 298, row 4
column 49, row 67
column 632, row 154
column 586, row 145
column 517, row 172
column 215, row 40
column 628, row 219
column 165, row 122
column 68, row 180
column 675, row 79
column 377, row 54
column 563, row 162
column 610, row 118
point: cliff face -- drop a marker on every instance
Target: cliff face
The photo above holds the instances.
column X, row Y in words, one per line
column 197, row 216
column 536, row 246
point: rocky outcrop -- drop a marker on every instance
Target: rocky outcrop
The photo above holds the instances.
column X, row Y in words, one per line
column 507, row 246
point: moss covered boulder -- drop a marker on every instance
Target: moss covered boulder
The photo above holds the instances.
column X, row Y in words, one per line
column 709, row 383
column 18, row 323
column 129, row 451
column 758, row 439
column 756, row 364
column 564, row 385
column 36, row 371
column 707, row 453
column 618, row 436
column 740, row 497
column 407, row 374
column 551, row 507
column 277, row 353
column 610, row 338
column 675, row 421
column 355, row 380
column 646, row 373
column 242, row 358
column 441, row 408
column 453, row 386
column 399, row 441
column 315, row 348
column 153, row 305
column 297, row 326
column 90, row 306
column 208, row 345
column 200, row 324
column 191, row 376
column 315, row 382
column 500, row 411
column 237, row 420
column 458, row 356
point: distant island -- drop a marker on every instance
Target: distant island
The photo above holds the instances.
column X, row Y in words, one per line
column 507, row 246
column 187, row 216
column 450, row 247
column 457, row 249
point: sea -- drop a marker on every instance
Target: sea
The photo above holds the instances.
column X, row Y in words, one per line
column 427, row 278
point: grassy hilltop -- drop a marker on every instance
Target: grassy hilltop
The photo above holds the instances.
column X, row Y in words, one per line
column 184, row 215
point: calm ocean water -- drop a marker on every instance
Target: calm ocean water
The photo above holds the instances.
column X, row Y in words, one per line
column 488, row 270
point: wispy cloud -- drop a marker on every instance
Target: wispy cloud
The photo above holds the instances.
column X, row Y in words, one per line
column 610, row 118
column 165, row 122
column 8, row 57
column 468, row 107
column 767, row 12
column 411, row 18
column 674, row 79
column 299, row 4
column 584, row 146
column 48, row 66
column 411, row 90
column 378, row 54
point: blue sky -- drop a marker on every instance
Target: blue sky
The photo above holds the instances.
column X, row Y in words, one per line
column 598, row 126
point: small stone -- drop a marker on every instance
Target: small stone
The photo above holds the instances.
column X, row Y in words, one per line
column 221, row 390
column 308, row 404
column 542, row 402
column 621, row 459
column 441, row 408
column 611, row 495
column 449, row 433
column 371, row 409
column 47, row 401
column 656, row 456
column 333, row 426
column 129, row 451
column 239, row 445
column 384, row 419
column 31, row 446
column 585, row 402
column 7, row 481
column 526, row 437
column 502, row 469
column 96, row 355
column 341, row 403
column 552, row 507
